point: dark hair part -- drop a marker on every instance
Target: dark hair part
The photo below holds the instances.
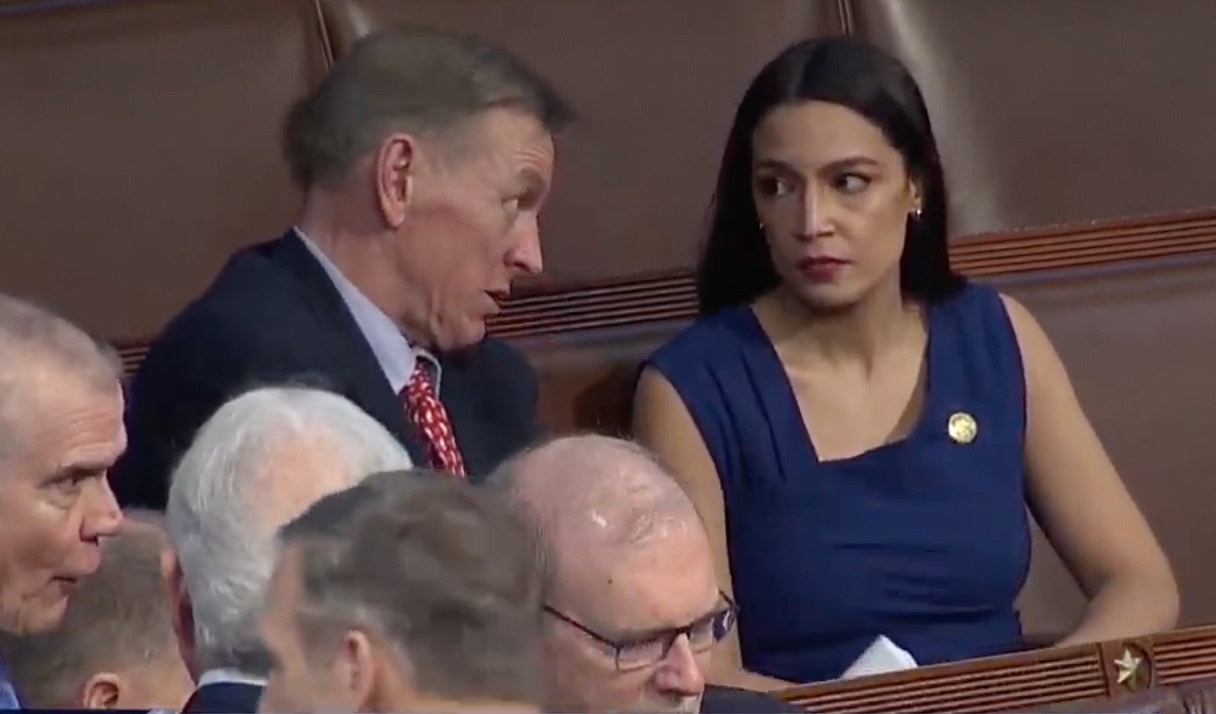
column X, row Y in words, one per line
column 452, row 583
column 736, row 267
column 422, row 81
column 117, row 618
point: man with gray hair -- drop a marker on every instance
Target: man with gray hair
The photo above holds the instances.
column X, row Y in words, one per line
column 425, row 158
column 633, row 605
column 445, row 616
column 260, row 461
column 61, row 409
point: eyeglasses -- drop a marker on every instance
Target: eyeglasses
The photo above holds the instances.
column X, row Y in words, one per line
column 651, row 649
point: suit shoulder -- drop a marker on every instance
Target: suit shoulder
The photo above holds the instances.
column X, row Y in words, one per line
column 249, row 294
column 491, row 361
column 504, row 355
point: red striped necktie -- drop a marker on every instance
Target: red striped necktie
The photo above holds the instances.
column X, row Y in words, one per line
column 424, row 409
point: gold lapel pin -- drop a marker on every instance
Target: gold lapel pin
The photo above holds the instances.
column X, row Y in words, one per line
column 962, row 428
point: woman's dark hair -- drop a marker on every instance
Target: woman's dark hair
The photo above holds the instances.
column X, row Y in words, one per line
column 735, row 266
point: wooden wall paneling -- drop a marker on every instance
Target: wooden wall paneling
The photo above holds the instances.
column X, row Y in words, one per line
column 556, row 308
column 1044, row 122
column 656, row 297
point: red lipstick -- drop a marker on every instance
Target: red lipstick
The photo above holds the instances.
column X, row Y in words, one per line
column 821, row 268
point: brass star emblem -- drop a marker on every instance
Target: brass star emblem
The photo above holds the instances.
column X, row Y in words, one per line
column 1128, row 666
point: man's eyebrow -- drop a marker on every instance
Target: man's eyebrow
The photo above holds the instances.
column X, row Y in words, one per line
column 626, row 636
column 81, row 469
column 531, row 179
column 641, row 635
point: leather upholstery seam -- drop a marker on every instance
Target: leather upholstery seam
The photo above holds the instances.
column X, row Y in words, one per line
column 323, row 29
column 844, row 9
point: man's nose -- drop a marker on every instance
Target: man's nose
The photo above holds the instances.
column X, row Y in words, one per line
column 526, row 255
column 679, row 672
column 102, row 515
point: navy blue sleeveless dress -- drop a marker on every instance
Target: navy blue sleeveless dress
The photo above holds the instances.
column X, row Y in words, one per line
column 925, row 540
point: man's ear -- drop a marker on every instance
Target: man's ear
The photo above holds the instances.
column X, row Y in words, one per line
column 102, row 691
column 181, row 611
column 362, row 674
column 394, row 177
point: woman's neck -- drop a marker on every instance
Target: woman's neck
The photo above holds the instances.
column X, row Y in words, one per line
column 860, row 334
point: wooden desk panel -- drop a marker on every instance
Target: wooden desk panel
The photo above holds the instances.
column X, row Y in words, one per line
column 1025, row 680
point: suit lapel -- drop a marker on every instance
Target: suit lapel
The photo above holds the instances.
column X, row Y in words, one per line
column 460, row 400
column 349, row 353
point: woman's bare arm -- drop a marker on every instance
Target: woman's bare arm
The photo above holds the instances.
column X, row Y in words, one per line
column 662, row 423
column 1083, row 506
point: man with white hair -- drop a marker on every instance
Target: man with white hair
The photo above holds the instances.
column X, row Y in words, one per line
column 60, row 432
column 631, row 595
column 261, row 460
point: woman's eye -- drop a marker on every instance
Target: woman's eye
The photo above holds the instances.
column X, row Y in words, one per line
column 773, row 186
column 852, row 183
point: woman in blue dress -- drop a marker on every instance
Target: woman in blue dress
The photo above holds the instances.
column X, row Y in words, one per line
column 861, row 428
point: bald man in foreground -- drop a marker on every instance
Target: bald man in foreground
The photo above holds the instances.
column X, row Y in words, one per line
column 633, row 606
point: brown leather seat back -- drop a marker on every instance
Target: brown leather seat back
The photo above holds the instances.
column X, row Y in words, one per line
column 1138, row 345
column 141, row 147
column 656, row 85
column 1055, row 111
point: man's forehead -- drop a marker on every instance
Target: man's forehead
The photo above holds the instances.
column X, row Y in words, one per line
column 597, row 566
column 92, row 459
column 507, row 133
column 620, row 598
column 48, row 388
column 86, row 442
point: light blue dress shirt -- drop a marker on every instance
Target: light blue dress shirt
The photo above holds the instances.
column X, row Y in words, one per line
column 394, row 353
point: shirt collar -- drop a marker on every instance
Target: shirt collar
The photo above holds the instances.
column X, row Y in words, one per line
column 394, row 353
column 229, row 676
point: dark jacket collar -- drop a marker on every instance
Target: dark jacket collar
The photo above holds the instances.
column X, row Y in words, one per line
column 224, row 698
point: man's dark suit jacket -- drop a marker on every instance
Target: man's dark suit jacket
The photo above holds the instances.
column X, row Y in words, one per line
column 728, row 700
column 224, row 698
column 273, row 316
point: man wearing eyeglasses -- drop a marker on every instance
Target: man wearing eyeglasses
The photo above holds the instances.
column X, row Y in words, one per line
column 632, row 602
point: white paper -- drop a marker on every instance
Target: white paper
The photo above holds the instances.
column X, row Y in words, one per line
column 880, row 657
